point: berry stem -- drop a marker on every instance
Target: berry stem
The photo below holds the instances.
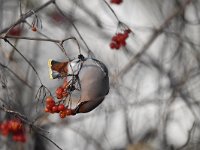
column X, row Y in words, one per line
column 112, row 10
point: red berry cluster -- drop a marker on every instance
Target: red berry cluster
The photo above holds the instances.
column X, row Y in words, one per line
column 119, row 39
column 14, row 127
column 116, row 1
column 52, row 107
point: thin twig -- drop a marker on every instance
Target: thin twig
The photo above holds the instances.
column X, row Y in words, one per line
column 112, row 10
column 71, row 38
column 28, row 14
column 29, row 38
column 18, row 77
column 49, row 140
column 20, row 8
column 25, row 59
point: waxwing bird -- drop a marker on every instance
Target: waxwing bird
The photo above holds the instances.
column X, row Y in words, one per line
column 92, row 79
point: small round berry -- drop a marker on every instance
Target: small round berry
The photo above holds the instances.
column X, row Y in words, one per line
column 123, row 43
column 65, row 94
column 49, row 100
column 49, row 106
column 117, row 46
column 61, row 107
column 34, row 29
column 46, row 110
column 62, row 114
column 55, row 108
column 59, row 96
column 5, row 129
column 68, row 112
column 114, row 38
column 59, row 90
column 22, row 138
column 15, row 125
column 112, row 45
column 52, row 103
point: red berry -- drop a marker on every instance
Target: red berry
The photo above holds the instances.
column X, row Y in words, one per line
column 19, row 137
column 117, row 46
column 123, row 43
column 55, row 108
column 65, row 94
column 112, row 45
column 34, row 29
column 50, row 103
column 119, row 39
column 114, row 38
column 59, row 96
column 59, row 90
column 68, row 112
column 46, row 110
column 15, row 125
column 49, row 106
column 22, row 138
column 61, row 107
column 62, row 114
column 49, row 100
column 4, row 129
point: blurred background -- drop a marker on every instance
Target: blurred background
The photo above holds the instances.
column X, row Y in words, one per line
column 153, row 103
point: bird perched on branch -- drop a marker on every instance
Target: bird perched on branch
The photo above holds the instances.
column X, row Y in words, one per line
column 89, row 75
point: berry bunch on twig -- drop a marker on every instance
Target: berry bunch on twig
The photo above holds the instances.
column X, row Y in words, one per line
column 58, row 107
column 119, row 39
column 15, row 128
